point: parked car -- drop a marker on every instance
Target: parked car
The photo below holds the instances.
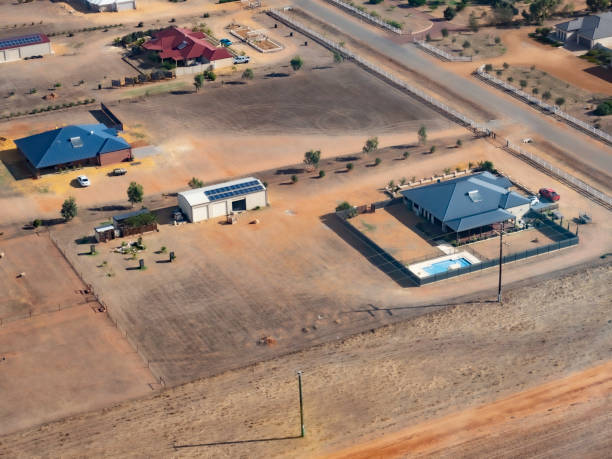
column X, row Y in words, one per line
column 119, row 171
column 533, row 200
column 225, row 42
column 83, row 181
column 549, row 194
column 242, row 59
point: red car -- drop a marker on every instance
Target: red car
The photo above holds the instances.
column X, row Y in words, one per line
column 549, row 194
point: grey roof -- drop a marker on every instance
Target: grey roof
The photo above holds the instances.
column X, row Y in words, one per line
column 592, row 27
column 468, row 202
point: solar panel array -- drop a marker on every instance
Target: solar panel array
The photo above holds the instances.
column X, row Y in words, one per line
column 21, row 41
column 233, row 190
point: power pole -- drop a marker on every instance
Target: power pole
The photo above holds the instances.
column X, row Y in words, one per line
column 499, row 286
column 302, row 430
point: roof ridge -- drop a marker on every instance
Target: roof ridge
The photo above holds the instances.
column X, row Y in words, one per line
column 451, row 198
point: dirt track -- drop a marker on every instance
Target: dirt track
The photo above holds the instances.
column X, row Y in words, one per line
column 470, row 432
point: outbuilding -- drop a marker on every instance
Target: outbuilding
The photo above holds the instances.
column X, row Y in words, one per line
column 25, row 46
column 223, row 199
column 110, row 5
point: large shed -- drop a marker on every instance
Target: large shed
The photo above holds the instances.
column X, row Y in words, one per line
column 110, row 5
column 222, row 199
column 16, row 48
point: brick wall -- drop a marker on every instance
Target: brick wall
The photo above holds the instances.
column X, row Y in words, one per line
column 115, row 156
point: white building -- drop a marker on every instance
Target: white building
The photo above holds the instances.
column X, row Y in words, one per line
column 16, row 48
column 110, row 5
column 222, row 199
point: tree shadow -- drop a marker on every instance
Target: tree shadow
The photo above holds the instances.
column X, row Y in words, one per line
column 346, row 159
column 289, row 171
column 276, row 75
column 235, row 442
column 109, row 208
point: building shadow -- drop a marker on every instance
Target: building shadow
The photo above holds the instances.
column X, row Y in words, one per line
column 600, row 72
column 333, row 222
column 234, row 442
column 16, row 164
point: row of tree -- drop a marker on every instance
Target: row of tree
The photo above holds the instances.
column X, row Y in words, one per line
column 69, row 210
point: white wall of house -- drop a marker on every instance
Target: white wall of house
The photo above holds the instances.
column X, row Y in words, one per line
column 222, row 63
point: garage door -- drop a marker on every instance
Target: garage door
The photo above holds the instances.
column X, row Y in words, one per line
column 122, row 6
column 217, row 209
column 11, row 54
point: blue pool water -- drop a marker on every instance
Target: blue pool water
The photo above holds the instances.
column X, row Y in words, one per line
column 442, row 266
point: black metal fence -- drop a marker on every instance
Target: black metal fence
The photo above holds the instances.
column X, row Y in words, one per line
column 389, row 264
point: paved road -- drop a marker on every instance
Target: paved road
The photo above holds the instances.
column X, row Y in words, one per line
column 577, row 145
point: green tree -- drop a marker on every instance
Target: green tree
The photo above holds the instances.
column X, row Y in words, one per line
column 405, row 154
column 321, row 174
column 559, row 101
column 349, row 167
column 506, row 65
column 445, row 32
column 198, row 81
column 466, row 44
column 523, row 83
column 604, row 108
column 248, row 74
column 546, row 95
column 296, row 63
column 135, row 193
column 503, row 14
column 370, row 145
column 450, row 13
column 488, row 67
column 540, row 10
column 459, row 143
column 432, row 150
column 69, row 209
column 294, row 178
column 422, row 133
column 312, row 158
column 343, row 206
column 377, row 161
column 338, row 58
column 486, row 166
column 598, row 5
column 195, row 183
column 497, row 40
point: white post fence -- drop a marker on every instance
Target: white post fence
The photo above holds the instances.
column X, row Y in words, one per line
column 442, row 53
column 554, row 109
column 366, row 16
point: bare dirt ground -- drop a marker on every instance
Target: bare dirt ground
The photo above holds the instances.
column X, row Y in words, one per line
column 293, row 284
column 478, row 431
column 48, row 282
column 62, row 363
column 357, row 389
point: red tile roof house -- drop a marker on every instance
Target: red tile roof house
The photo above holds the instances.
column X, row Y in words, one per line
column 188, row 48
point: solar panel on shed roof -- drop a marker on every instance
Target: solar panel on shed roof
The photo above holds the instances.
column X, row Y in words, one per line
column 21, row 41
column 227, row 192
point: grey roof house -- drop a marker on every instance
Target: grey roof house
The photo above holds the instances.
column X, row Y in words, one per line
column 467, row 203
column 588, row 31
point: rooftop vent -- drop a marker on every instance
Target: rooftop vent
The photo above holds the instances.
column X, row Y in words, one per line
column 475, row 196
column 76, row 142
column 182, row 45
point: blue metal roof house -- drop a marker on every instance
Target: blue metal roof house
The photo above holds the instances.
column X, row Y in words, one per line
column 83, row 144
column 467, row 203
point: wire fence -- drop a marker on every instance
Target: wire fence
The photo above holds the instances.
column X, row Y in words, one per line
column 366, row 16
column 554, row 109
column 449, row 111
column 600, row 195
column 442, row 53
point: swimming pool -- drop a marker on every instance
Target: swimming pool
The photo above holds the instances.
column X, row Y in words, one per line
column 443, row 266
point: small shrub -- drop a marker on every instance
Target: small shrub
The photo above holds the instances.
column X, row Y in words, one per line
column 432, row 150
column 349, row 167
column 377, row 161
column 488, row 67
column 506, row 65
column 497, row 40
column 321, row 174
column 405, row 154
column 36, row 223
column 343, row 206
column 163, row 249
column 445, row 32
column 195, row 183
column 459, row 143
column 604, row 108
column 294, row 178
column 296, row 63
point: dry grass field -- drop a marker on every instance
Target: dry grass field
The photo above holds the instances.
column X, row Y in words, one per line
column 361, row 388
column 48, row 282
column 63, row 363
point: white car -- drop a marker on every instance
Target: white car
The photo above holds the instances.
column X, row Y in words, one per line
column 242, row 59
column 83, row 180
column 533, row 200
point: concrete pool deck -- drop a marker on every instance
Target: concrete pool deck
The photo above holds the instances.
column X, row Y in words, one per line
column 419, row 269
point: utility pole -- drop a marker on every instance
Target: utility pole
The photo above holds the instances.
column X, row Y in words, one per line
column 499, row 286
column 302, row 430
